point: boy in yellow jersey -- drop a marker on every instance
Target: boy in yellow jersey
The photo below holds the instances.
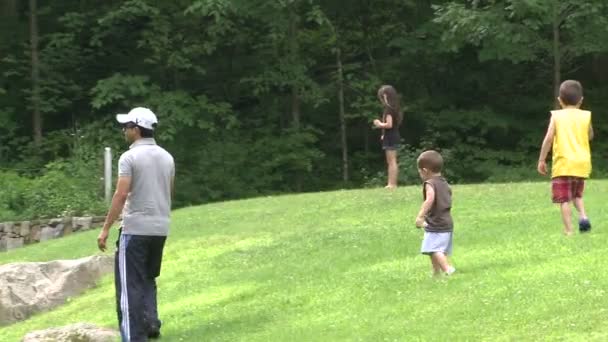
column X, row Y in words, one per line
column 569, row 132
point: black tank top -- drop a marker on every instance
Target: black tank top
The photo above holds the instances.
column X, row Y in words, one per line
column 391, row 135
column 439, row 218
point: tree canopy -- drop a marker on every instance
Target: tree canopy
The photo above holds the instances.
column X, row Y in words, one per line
column 257, row 97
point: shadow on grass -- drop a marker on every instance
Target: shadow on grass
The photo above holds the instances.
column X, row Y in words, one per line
column 206, row 316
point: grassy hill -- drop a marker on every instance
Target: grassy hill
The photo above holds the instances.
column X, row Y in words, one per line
column 346, row 266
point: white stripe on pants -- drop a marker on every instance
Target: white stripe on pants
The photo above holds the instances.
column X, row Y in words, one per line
column 124, row 298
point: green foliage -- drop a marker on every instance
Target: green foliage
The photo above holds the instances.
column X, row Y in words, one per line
column 232, row 171
column 522, row 30
column 12, row 195
column 61, row 193
column 246, row 91
column 121, row 89
column 363, row 100
column 475, row 143
column 65, row 188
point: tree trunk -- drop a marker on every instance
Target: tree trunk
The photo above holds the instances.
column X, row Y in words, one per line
column 293, row 52
column 35, row 73
column 557, row 67
column 295, row 108
column 366, row 138
column 295, row 96
column 344, row 142
column 9, row 8
column 372, row 61
column 295, row 112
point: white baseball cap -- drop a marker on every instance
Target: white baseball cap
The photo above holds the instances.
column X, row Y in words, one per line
column 140, row 116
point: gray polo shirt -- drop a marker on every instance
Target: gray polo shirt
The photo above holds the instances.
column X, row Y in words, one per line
column 148, row 205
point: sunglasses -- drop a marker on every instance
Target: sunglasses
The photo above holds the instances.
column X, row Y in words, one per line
column 128, row 125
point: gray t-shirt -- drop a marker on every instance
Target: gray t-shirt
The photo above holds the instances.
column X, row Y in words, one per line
column 148, row 205
column 439, row 218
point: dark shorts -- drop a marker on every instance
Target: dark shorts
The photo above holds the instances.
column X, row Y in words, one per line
column 565, row 189
column 390, row 142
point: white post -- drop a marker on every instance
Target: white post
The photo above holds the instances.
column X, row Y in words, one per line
column 107, row 174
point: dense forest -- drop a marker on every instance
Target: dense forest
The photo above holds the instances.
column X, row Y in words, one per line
column 262, row 97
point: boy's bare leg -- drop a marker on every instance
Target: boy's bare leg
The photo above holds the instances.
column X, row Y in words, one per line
column 436, row 266
column 393, row 169
column 580, row 207
column 441, row 260
column 566, row 217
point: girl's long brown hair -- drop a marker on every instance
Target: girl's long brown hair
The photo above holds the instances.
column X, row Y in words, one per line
column 391, row 104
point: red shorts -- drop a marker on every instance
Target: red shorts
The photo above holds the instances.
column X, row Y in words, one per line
column 565, row 188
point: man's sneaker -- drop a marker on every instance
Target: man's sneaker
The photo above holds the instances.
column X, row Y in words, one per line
column 154, row 331
column 450, row 271
column 584, row 226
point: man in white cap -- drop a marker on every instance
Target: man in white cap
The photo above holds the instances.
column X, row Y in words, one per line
column 143, row 194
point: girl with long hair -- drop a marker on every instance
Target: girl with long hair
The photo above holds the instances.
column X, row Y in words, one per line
column 391, row 120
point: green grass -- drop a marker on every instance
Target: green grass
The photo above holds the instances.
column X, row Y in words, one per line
column 346, row 266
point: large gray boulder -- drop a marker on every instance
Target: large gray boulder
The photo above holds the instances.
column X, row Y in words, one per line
column 80, row 332
column 31, row 287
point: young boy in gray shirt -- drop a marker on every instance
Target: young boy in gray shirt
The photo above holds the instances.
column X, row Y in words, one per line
column 434, row 215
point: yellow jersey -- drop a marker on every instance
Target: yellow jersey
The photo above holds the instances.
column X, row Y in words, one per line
column 571, row 151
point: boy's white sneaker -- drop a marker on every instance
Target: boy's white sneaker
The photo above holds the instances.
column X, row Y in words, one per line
column 450, row 271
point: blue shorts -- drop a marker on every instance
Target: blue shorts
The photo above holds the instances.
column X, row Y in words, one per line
column 437, row 242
